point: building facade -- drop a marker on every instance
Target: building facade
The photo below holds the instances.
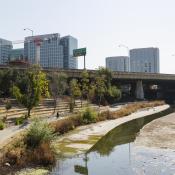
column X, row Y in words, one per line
column 118, row 63
column 144, row 60
column 17, row 54
column 52, row 50
column 5, row 49
column 69, row 43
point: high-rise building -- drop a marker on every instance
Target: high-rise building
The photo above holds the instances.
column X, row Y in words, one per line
column 5, row 49
column 17, row 54
column 144, row 60
column 118, row 63
column 69, row 43
column 52, row 51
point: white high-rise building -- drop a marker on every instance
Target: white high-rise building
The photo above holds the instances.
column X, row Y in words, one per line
column 118, row 63
column 144, row 60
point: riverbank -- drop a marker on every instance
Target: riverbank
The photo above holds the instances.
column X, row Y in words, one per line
column 160, row 133
column 84, row 137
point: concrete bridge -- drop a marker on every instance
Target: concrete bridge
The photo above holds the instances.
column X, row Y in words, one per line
column 138, row 82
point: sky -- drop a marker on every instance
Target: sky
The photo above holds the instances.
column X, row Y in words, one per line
column 99, row 25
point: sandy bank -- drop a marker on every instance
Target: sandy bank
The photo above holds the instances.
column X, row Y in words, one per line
column 160, row 133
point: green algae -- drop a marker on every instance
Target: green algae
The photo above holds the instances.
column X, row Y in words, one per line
column 33, row 171
column 64, row 146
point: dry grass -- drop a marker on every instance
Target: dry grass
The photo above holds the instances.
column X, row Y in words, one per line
column 131, row 108
column 63, row 126
column 19, row 157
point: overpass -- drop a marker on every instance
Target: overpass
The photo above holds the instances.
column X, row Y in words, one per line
column 138, row 81
column 76, row 73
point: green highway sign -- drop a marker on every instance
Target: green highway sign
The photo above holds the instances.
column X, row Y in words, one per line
column 79, row 52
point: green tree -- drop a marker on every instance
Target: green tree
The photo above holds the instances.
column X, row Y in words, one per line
column 8, row 106
column 36, row 87
column 75, row 92
column 106, row 74
column 114, row 92
column 100, row 88
column 58, row 86
column 85, row 85
column 92, row 90
column 104, row 88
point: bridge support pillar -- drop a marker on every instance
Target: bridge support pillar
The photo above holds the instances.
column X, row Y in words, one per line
column 139, row 93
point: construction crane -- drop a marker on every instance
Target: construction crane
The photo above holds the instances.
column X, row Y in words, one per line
column 18, row 42
column 13, row 43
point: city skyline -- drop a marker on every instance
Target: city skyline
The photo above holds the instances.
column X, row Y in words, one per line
column 144, row 25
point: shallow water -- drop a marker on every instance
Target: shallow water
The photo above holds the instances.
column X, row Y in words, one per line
column 116, row 154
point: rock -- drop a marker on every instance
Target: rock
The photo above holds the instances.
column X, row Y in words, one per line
column 7, row 164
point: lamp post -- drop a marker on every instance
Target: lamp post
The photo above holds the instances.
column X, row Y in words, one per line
column 29, row 30
column 128, row 52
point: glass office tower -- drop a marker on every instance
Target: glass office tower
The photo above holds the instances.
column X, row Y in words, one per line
column 5, row 49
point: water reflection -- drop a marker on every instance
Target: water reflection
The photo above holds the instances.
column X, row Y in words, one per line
column 125, row 133
column 113, row 154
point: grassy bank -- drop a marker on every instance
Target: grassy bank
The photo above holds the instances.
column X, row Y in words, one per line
column 34, row 148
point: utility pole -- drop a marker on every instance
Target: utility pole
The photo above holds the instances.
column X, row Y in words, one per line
column 29, row 30
column 84, row 62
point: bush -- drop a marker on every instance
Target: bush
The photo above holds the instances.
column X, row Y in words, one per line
column 43, row 155
column 20, row 120
column 2, row 125
column 63, row 126
column 15, row 156
column 38, row 133
column 89, row 116
column 105, row 115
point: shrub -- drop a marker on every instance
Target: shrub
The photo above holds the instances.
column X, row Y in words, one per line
column 77, row 120
column 89, row 116
column 38, row 133
column 15, row 156
column 43, row 155
column 19, row 121
column 63, row 126
column 105, row 115
column 2, row 125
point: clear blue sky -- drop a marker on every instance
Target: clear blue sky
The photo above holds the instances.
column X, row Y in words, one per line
column 100, row 25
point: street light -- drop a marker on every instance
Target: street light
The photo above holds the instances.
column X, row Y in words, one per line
column 29, row 30
column 128, row 52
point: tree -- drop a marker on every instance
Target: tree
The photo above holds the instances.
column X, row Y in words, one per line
column 85, row 86
column 114, row 92
column 104, row 89
column 106, row 74
column 58, row 86
column 36, row 87
column 75, row 92
column 8, row 106
column 100, row 88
